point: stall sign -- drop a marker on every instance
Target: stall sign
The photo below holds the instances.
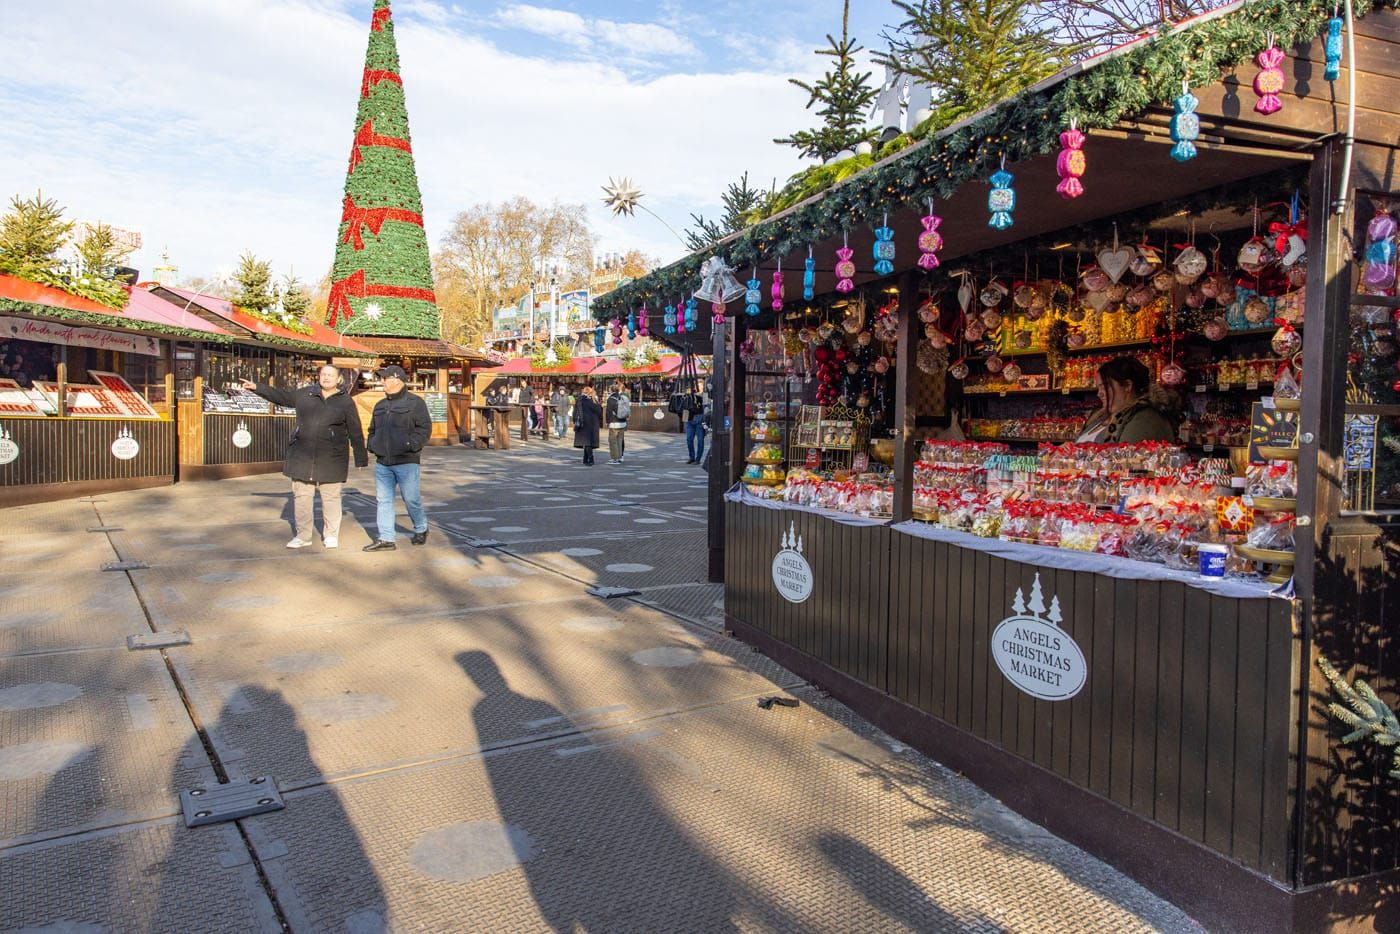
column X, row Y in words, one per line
column 1034, row 653
column 50, row 333
column 1271, row 427
column 125, row 447
column 9, row 451
column 792, row 575
column 1359, row 441
column 437, row 406
column 242, row 437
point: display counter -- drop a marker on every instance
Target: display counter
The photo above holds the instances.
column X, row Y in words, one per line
column 43, row 458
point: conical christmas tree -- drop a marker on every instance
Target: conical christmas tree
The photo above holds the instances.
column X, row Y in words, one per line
column 382, row 281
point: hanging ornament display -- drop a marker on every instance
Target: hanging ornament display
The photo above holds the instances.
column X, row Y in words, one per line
column 928, row 311
column 1190, row 265
column 1185, row 125
column 1286, row 339
column 1269, row 82
column 690, row 314
column 1173, row 374
column 884, row 248
column 1216, row 329
column 642, row 328
column 958, row 370
column 1146, row 261
column 631, row 325
column 1001, row 201
column 853, row 319
column 995, row 364
column 809, row 276
column 600, row 338
column 1114, row 262
column 668, row 319
column 930, row 241
column 845, row 269
column 777, row 289
column 753, row 295
column 1071, row 163
column 1256, row 310
column 825, row 330
column 616, row 325
column 1011, row 371
column 717, row 286
column 1378, row 273
column 1333, row 49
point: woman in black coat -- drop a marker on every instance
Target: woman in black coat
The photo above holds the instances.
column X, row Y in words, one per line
column 318, row 456
column 588, row 418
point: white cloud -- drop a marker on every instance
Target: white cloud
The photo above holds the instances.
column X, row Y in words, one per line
column 639, row 41
column 216, row 126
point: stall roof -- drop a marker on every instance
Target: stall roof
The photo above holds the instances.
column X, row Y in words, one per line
column 142, row 312
column 423, row 348
column 1121, row 99
column 321, row 340
column 667, row 365
column 522, row 366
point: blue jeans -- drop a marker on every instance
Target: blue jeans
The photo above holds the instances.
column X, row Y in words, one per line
column 695, row 438
column 406, row 476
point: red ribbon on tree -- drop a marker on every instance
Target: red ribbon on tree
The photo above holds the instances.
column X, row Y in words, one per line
column 375, row 75
column 354, row 286
column 367, row 137
column 379, row 20
column 373, row 218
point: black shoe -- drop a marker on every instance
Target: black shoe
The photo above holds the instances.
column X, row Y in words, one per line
column 380, row 545
column 419, row 537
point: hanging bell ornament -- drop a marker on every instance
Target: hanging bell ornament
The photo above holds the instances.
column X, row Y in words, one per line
column 1172, row 375
column 1190, row 265
column 1286, row 339
column 717, row 282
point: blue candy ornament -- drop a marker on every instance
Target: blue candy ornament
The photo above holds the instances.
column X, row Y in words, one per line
column 1002, row 199
column 600, row 335
column 884, row 248
column 690, row 315
column 668, row 319
column 1186, row 125
column 631, row 325
column 753, row 296
column 1333, row 48
column 809, row 276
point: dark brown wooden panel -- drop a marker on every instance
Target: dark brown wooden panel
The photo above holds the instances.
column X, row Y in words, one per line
column 73, row 450
column 1195, row 718
column 1251, row 678
column 1146, row 626
column 270, row 436
column 1170, row 684
column 1222, row 685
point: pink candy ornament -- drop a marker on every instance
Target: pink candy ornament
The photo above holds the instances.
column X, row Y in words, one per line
column 1269, row 82
column 930, row 241
column 777, row 290
column 1071, row 163
column 845, row 269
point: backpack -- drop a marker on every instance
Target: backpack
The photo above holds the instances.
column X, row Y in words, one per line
column 624, row 408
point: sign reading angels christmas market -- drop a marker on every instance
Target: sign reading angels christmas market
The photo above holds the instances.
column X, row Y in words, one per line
column 1034, row 653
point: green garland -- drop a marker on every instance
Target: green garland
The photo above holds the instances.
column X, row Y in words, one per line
column 1028, row 125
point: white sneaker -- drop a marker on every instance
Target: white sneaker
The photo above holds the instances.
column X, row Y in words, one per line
column 330, row 541
column 297, row 543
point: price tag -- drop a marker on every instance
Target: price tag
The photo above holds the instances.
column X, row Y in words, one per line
column 1224, row 387
column 1200, row 387
column 1251, row 384
column 1207, row 448
column 1002, row 393
column 1065, row 390
column 1247, row 500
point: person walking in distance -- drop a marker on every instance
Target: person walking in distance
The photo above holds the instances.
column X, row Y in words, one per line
column 560, row 400
column 318, row 457
column 588, row 418
column 398, row 429
column 694, row 415
column 618, row 410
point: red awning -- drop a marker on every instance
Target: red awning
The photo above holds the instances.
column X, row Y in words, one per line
column 321, row 335
column 522, row 366
column 664, row 367
column 140, row 306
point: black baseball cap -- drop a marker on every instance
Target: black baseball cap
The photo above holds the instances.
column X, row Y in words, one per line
column 394, row 370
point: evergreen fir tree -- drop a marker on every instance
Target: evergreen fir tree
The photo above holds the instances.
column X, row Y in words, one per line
column 382, row 280
column 973, row 53
column 845, row 96
column 31, row 235
column 99, row 252
column 739, row 200
column 254, row 279
column 295, row 300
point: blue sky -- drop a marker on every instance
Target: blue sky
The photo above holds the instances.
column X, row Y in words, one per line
column 217, row 126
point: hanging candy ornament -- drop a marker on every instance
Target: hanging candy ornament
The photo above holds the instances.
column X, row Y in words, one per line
column 616, row 326
column 845, row 269
column 631, row 325
column 777, row 290
column 930, row 241
column 1001, row 201
column 600, row 337
column 1268, row 83
column 884, row 248
column 1185, row 125
column 690, row 314
column 1071, row 163
column 753, row 296
column 809, row 276
column 642, row 323
column 1011, row 372
column 1333, row 48
column 1172, row 375
column 1286, row 339
column 1378, row 274
column 668, row 319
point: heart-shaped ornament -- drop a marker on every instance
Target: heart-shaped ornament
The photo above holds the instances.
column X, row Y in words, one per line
column 1097, row 300
column 1115, row 262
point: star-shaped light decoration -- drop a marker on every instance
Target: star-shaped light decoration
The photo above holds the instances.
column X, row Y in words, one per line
column 622, row 196
column 373, row 311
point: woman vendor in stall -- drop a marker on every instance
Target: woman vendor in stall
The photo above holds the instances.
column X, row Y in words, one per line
column 1126, row 415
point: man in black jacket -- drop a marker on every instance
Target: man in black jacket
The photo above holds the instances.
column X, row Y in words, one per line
column 398, row 430
column 317, row 458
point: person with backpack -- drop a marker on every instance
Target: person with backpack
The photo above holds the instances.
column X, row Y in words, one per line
column 693, row 413
column 619, row 409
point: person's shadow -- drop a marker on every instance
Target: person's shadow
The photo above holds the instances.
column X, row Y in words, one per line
column 597, row 849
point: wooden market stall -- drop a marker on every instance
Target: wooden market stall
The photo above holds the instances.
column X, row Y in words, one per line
column 87, row 392
column 224, row 431
column 505, row 382
column 650, row 387
column 439, row 371
column 1032, row 613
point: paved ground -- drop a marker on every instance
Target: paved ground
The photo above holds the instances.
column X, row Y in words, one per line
column 464, row 738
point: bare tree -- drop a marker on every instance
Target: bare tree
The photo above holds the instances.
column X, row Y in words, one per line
column 1087, row 27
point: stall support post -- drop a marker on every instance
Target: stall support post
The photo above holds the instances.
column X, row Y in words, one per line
column 719, row 466
column 905, row 410
column 61, row 371
column 737, row 400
